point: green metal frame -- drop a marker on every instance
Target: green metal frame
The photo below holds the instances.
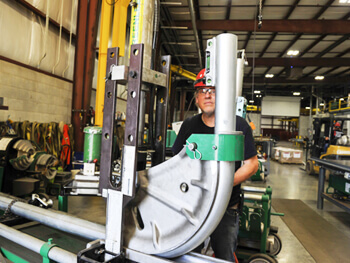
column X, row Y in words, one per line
column 218, row 147
column 338, row 183
column 254, row 213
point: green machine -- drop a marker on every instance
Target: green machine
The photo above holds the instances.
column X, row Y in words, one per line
column 258, row 240
column 340, row 184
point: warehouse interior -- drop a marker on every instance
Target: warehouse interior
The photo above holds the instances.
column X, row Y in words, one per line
column 93, row 95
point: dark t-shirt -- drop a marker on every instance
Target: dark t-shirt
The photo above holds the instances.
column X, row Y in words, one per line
column 195, row 125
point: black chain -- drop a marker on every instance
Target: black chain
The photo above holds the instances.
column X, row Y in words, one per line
column 8, row 209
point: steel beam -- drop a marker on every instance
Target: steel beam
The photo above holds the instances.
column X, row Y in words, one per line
column 274, row 25
column 302, row 81
column 300, row 62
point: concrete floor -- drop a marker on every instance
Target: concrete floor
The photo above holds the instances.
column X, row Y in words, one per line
column 288, row 181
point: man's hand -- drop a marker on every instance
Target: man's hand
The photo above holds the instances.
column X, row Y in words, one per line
column 249, row 167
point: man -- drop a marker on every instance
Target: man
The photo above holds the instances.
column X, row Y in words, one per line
column 224, row 237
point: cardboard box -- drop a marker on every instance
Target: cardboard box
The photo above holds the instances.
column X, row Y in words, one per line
column 286, row 155
column 297, row 156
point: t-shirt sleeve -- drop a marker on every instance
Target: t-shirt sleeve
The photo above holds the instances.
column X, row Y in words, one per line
column 249, row 144
column 181, row 137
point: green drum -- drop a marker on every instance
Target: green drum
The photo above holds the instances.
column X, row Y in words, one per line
column 92, row 144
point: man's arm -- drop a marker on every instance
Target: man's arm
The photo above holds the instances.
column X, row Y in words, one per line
column 249, row 167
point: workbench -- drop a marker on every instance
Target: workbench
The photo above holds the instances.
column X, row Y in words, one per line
column 340, row 166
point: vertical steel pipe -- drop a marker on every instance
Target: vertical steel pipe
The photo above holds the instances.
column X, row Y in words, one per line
column 226, row 64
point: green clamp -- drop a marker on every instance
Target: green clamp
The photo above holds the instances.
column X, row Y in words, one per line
column 218, row 147
column 44, row 250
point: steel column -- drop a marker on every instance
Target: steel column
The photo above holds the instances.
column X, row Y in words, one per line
column 78, row 80
column 83, row 67
column 182, row 104
column 90, row 54
column 321, row 179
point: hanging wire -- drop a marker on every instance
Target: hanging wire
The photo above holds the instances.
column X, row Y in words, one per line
column 255, row 14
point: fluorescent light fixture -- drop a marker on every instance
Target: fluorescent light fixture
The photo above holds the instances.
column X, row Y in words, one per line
column 269, row 76
column 174, row 27
column 251, row 101
column 296, row 93
column 257, row 91
column 307, row 108
column 321, row 104
column 344, row 1
column 170, row 3
column 178, row 43
column 319, row 77
column 185, row 55
column 292, row 52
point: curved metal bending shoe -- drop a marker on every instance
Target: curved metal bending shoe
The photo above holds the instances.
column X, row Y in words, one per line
column 178, row 204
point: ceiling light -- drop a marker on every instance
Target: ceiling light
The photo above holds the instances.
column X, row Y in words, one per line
column 269, row 76
column 341, row 99
column 257, row 91
column 178, row 43
column 344, row 1
column 321, row 104
column 174, row 27
column 185, row 55
column 170, row 3
column 251, row 101
column 307, row 108
column 292, row 52
column 319, row 77
column 296, row 93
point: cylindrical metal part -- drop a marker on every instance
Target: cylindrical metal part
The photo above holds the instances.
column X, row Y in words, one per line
column 239, row 79
column 92, row 144
column 253, row 197
column 253, row 189
column 226, row 65
column 56, row 254
column 55, row 219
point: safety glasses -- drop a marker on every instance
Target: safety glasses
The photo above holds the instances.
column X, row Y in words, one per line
column 204, row 91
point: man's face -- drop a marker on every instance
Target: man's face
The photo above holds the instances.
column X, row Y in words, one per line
column 205, row 100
